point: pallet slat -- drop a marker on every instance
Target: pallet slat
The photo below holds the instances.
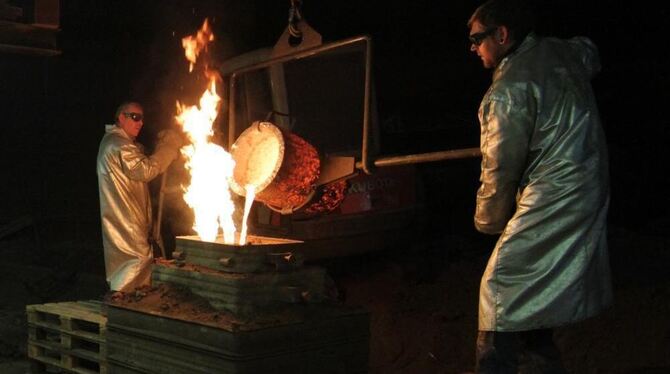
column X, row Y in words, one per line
column 77, row 361
column 84, row 335
column 88, row 311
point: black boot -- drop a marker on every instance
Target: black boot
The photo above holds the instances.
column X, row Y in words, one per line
column 540, row 354
column 523, row 352
column 497, row 352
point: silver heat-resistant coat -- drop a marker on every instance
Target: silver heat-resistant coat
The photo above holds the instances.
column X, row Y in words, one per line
column 544, row 187
column 125, row 206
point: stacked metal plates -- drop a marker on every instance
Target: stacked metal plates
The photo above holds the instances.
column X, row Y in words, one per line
column 242, row 279
column 318, row 339
column 220, row 308
column 244, row 293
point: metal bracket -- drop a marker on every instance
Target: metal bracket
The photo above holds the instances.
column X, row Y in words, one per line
column 310, row 38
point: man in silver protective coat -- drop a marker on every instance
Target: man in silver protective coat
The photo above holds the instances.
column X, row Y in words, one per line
column 544, row 189
column 124, row 171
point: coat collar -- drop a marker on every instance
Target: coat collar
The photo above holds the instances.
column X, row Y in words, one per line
column 114, row 129
column 528, row 42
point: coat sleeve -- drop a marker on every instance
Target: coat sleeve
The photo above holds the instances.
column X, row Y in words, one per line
column 137, row 166
column 505, row 137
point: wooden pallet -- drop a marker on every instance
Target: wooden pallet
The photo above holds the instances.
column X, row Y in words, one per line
column 67, row 337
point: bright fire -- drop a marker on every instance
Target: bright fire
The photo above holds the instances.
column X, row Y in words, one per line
column 209, row 164
column 194, row 44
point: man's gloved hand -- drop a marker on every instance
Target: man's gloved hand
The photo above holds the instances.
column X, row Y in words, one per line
column 171, row 138
column 168, row 145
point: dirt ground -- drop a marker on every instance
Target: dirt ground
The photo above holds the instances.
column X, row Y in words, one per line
column 422, row 301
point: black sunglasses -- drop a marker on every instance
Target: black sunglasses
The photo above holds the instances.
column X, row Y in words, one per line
column 137, row 117
column 478, row 38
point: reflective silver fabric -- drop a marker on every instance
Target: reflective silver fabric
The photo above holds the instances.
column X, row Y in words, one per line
column 125, row 207
column 544, row 187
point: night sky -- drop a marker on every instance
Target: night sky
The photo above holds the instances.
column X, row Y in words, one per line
column 428, row 84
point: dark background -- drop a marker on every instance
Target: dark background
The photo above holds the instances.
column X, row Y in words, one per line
column 428, row 84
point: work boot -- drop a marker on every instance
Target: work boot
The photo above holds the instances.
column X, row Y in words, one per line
column 540, row 354
column 497, row 352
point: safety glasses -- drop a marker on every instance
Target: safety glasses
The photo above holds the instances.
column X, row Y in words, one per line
column 478, row 38
column 137, row 117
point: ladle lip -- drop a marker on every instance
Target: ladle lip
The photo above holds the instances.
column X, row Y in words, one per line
column 239, row 146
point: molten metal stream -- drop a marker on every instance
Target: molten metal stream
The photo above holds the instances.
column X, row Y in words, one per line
column 249, row 200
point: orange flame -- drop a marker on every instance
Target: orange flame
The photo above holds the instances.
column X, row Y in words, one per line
column 210, row 167
column 209, row 164
column 193, row 45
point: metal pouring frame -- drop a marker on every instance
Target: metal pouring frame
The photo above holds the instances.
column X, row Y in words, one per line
column 367, row 162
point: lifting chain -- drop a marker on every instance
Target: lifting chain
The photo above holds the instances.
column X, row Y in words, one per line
column 295, row 16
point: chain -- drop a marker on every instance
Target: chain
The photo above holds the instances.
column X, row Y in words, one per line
column 295, row 16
